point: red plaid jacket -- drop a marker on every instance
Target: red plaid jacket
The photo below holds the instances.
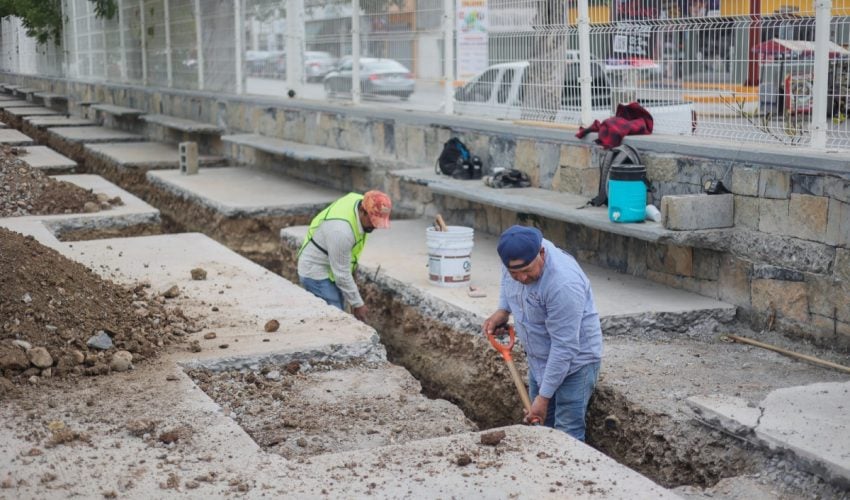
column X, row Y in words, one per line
column 631, row 119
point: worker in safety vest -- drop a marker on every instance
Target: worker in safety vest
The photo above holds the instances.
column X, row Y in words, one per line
column 336, row 237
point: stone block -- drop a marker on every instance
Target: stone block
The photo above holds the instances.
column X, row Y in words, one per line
column 842, row 265
column 838, row 224
column 188, row 154
column 746, row 212
column 660, row 167
column 548, row 160
column 501, row 153
column 773, row 216
column 577, row 157
column 745, row 181
column 509, row 218
column 787, row 298
column 555, row 231
column 569, row 180
column 699, row 211
column 670, row 259
column 589, row 182
column 734, row 280
column 774, row 184
column 807, row 216
column 637, row 257
column 613, row 250
column 416, row 153
column 771, row 272
column 836, row 188
column 706, row 264
column 582, row 238
column 807, row 184
column 825, row 294
column 526, row 160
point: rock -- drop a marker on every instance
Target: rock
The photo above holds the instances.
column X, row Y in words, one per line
column 198, row 274
column 139, row 428
column 301, row 442
column 102, row 197
column 492, row 438
column 39, row 357
column 223, row 346
column 273, row 375
column 272, row 325
column 612, row 422
column 172, row 292
column 6, row 387
column 91, row 207
column 13, row 358
column 191, row 485
column 209, row 335
column 78, row 356
column 33, row 380
column 101, row 341
column 194, row 346
column 23, row 344
column 463, row 460
column 26, row 299
column 121, row 361
column 293, row 367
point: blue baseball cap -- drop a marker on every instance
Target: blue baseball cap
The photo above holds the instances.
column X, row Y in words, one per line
column 519, row 243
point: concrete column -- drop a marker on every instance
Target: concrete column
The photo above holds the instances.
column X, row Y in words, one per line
column 144, row 43
column 295, row 45
column 448, row 56
column 121, row 27
column 584, row 61
column 76, row 42
column 355, row 51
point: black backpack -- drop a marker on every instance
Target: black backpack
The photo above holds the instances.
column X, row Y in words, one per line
column 621, row 155
column 455, row 155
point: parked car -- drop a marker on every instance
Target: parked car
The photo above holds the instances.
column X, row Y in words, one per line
column 317, row 65
column 377, row 77
column 266, row 63
column 497, row 92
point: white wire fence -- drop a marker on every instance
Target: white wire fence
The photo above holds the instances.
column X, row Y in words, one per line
column 763, row 71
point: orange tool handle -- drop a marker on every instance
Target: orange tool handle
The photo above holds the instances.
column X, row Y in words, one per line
column 504, row 349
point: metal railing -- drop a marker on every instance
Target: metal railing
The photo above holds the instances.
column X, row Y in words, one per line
column 757, row 71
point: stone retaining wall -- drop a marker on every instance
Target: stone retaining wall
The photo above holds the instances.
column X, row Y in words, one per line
column 786, row 263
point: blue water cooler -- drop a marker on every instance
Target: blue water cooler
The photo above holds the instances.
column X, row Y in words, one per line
column 627, row 193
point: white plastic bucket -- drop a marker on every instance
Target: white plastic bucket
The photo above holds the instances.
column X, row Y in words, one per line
column 449, row 256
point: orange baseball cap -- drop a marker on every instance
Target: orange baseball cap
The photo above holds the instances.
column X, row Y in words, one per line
column 378, row 205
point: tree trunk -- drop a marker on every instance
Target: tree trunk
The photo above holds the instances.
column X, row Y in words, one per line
column 544, row 84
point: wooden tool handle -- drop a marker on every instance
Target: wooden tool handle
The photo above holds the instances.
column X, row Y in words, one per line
column 441, row 224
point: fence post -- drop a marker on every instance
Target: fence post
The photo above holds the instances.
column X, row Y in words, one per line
column 75, row 37
column 295, row 45
column 144, row 42
column 584, row 60
column 820, row 85
column 169, row 74
column 448, row 56
column 355, row 51
column 121, row 28
column 239, row 34
column 199, row 44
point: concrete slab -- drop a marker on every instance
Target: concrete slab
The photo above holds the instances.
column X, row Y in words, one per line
column 47, row 160
column 32, row 111
column 545, row 202
column 11, row 137
column 6, row 97
column 18, row 103
column 143, row 154
column 541, row 462
column 9, row 87
column 812, row 422
column 24, row 91
column 132, row 217
column 50, row 96
column 3, row 125
column 241, row 191
column 117, row 111
column 93, row 134
column 182, row 124
column 296, row 150
column 58, row 121
column 402, row 254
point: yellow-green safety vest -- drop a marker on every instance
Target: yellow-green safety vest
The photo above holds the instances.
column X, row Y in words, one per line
column 345, row 209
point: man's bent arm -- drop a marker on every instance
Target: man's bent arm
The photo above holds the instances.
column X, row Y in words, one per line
column 564, row 306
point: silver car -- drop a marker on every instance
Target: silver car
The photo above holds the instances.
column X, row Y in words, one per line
column 378, row 77
column 317, row 65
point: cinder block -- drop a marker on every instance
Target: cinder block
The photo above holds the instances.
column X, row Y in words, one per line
column 188, row 158
column 691, row 212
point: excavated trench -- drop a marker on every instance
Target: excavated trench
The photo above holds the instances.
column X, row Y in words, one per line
column 446, row 359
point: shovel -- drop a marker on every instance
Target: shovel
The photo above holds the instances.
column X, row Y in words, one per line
column 505, row 351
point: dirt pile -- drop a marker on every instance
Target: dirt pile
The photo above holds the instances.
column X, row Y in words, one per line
column 27, row 191
column 57, row 317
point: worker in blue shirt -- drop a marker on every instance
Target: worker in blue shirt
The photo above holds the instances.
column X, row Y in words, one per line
column 556, row 321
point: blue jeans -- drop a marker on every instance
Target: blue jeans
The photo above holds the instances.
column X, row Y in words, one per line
column 324, row 289
column 568, row 405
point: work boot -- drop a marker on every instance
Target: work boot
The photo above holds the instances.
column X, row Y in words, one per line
column 477, row 170
column 463, row 171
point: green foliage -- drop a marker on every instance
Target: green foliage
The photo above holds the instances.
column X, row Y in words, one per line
column 43, row 18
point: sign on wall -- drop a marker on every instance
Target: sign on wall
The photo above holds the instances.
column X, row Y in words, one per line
column 472, row 54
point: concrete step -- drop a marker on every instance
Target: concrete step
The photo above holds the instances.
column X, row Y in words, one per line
column 116, row 111
column 18, row 103
column 31, row 111
column 92, row 134
column 182, row 124
column 58, row 121
column 142, row 154
column 47, row 160
column 297, row 151
column 624, row 302
column 11, row 137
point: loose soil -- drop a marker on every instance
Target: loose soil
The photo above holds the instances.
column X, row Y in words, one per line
column 48, row 301
column 28, row 191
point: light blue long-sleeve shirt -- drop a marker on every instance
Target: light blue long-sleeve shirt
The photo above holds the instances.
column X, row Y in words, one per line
column 555, row 319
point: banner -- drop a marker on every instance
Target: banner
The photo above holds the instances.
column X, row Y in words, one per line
column 472, row 53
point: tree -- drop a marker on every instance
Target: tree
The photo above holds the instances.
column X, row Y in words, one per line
column 43, row 18
column 541, row 96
